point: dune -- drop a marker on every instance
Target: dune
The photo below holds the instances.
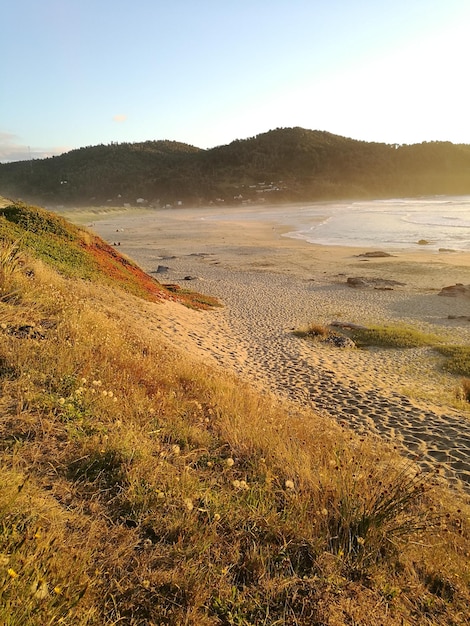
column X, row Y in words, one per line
column 271, row 284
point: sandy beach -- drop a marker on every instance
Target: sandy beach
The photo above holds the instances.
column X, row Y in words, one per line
column 271, row 284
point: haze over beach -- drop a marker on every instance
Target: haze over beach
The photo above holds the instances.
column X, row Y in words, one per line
column 82, row 73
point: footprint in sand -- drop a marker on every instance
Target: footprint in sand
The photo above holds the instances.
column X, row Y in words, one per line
column 355, row 388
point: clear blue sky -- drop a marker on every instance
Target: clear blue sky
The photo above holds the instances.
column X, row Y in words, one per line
column 82, row 72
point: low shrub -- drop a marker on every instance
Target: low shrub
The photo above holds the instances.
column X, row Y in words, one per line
column 313, row 331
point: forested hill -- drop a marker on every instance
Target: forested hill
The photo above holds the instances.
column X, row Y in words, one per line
column 288, row 164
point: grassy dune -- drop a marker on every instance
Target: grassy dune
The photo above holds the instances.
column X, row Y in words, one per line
column 139, row 488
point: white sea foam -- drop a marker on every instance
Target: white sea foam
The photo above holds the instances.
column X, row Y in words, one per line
column 444, row 222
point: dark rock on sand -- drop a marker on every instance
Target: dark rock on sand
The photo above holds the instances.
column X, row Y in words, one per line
column 455, row 291
column 347, row 325
column 374, row 283
column 356, row 282
column 376, row 254
column 339, row 341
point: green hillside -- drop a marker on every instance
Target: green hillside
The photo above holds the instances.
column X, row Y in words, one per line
column 140, row 487
column 285, row 164
column 77, row 253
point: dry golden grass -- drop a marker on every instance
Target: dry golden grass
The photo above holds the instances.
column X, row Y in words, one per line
column 313, row 331
column 140, row 488
column 466, row 389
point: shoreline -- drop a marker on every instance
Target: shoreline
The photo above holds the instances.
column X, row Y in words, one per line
column 271, row 284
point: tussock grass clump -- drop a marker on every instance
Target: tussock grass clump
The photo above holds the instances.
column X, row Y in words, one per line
column 11, row 260
column 313, row 331
column 466, row 389
column 162, row 491
column 370, row 520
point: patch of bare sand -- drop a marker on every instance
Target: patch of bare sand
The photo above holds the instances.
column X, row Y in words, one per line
column 271, row 284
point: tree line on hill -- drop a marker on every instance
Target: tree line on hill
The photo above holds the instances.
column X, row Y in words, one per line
column 282, row 165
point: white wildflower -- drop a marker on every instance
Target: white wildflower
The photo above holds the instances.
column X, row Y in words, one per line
column 39, row 590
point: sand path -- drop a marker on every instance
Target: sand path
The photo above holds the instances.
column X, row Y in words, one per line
column 400, row 395
column 253, row 336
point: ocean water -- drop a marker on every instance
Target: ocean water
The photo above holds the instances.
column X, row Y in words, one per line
column 442, row 221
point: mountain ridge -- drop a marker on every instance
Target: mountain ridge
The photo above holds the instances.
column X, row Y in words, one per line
column 281, row 165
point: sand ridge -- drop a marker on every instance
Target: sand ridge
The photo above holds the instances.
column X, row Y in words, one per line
column 270, row 285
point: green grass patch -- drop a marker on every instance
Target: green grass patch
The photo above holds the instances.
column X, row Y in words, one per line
column 38, row 221
column 458, row 361
column 49, row 237
column 192, row 299
column 77, row 253
column 393, row 337
column 398, row 336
